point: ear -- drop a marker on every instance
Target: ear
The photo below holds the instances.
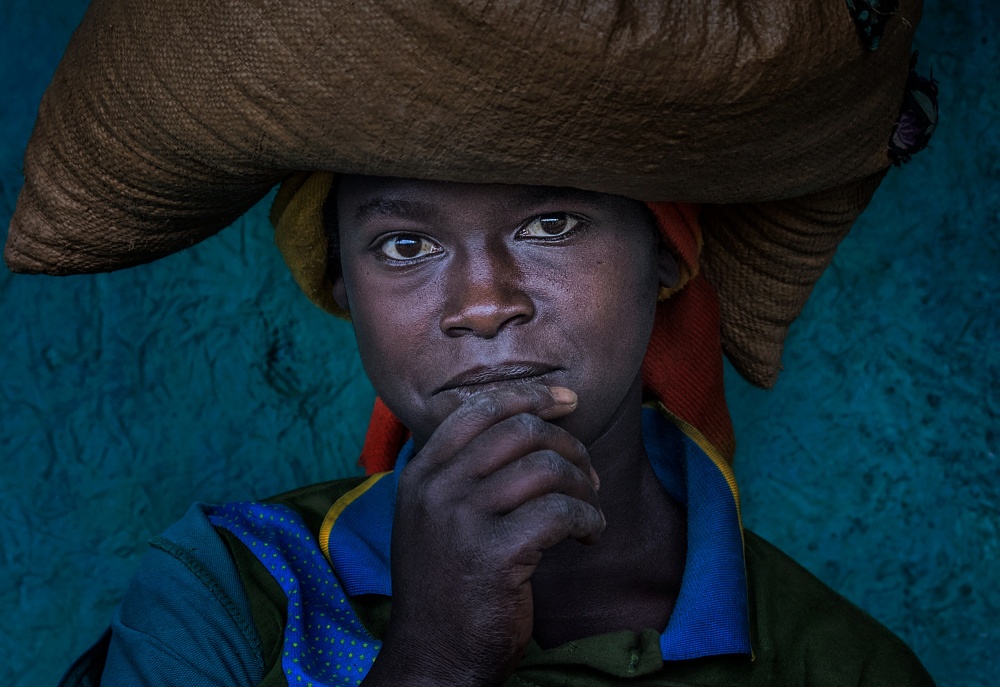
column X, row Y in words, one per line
column 340, row 291
column 667, row 268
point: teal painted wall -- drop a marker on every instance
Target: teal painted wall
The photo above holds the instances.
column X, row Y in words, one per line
column 206, row 376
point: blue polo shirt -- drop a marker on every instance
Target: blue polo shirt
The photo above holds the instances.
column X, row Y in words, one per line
column 186, row 612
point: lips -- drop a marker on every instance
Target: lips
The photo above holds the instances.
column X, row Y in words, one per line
column 482, row 376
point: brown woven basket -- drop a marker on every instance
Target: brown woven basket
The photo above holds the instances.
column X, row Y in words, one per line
column 167, row 120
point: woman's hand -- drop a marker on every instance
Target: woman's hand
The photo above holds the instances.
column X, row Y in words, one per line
column 495, row 485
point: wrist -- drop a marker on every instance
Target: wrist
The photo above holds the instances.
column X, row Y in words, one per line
column 429, row 667
column 388, row 673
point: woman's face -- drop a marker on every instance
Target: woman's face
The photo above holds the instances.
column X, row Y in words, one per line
column 459, row 288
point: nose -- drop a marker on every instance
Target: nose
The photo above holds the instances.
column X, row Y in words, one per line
column 485, row 293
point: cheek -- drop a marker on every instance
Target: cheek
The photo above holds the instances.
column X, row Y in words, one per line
column 621, row 308
column 619, row 285
column 609, row 317
column 390, row 324
column 605, row 331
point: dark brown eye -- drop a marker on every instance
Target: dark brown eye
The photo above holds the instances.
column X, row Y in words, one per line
column 408, row 247
column 549, row 226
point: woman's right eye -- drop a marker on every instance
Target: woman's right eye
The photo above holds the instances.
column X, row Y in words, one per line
column 406, row 247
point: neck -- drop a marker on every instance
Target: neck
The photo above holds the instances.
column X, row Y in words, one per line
column 630, row 579
column 631, row 496
column 619, row 455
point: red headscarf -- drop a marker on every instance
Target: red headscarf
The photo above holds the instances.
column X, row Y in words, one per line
column 682, row 369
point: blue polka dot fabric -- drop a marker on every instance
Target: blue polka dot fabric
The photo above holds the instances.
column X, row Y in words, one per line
column 325, row 643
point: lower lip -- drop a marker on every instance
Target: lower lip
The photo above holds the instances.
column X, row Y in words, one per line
column 469, row 390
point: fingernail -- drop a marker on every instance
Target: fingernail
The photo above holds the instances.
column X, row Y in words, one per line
column 595, row 479
column 561, row 394
column 603, row 519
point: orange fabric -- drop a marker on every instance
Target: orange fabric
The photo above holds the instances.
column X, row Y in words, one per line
column 385, row 437
column 683, row 363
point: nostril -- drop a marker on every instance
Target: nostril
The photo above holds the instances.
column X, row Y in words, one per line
column 520, row 318
column 486, row 320
column 456, row 332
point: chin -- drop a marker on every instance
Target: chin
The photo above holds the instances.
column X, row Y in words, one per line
column 596, row 416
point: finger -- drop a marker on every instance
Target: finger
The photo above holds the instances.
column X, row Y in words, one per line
column 484, row 410
column 515, row 437
column 544, row 522
column 533, row 476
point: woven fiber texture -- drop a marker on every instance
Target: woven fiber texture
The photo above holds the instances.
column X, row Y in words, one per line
column 765, row 258
column 167, row 120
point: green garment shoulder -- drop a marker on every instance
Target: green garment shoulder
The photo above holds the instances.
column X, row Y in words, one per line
column 803, row 633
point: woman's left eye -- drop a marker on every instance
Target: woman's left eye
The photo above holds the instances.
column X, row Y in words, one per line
column 549, row 226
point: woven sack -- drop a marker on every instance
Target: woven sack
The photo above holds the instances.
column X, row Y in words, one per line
column 166, row 120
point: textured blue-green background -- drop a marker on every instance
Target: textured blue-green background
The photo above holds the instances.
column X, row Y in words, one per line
column 206, row 376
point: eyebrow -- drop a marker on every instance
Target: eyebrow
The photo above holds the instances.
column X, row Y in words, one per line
column 392, row 207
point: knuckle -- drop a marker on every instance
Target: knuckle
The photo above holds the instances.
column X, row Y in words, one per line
column 466, row 516
column 575, row 513
column 551, row 463
column 530, row 426
column 558, row 505
column 433, row 494
column 485, row 407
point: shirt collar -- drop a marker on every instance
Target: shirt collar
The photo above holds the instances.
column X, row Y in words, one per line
column 711, row 615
